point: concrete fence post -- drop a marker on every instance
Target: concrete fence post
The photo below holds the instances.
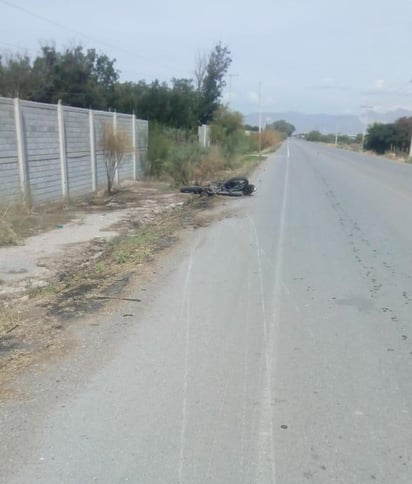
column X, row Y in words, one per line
column 116, row 175
column 134, row 148
column 21, row 153
column 92, row 137
column 62, row 147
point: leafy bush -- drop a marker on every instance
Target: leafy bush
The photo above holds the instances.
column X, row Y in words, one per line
column 7, row 235
column 383, row 137
column 228, row 132
column 159, row 148
column 181, row 160
column 178, row 155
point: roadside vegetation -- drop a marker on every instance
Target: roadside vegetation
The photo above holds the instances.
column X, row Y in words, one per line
column 115, row 145
column 91, row 274
column 332, row 138
column 175, row 110
column 99, row 271
column 17, row 221
column 85, row 78
column 390, row 137
column 393, row 139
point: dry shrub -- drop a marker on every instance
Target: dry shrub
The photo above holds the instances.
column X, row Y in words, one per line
column 9, row 316
column 210, row 164
column 115, row 143
column 13, row 221
column 269, row 138
column 18, row 220
column 7, row 235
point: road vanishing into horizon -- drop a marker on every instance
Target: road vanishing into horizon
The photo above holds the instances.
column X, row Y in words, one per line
column 273, row 347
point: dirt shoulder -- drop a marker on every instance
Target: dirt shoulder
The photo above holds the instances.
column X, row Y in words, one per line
column 82, row 265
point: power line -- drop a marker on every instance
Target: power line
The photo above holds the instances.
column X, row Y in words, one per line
column 62, row 26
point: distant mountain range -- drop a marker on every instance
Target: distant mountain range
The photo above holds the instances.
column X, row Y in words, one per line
column 327, row 123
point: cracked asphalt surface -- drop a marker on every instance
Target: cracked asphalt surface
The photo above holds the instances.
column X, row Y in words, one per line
column 273, row 346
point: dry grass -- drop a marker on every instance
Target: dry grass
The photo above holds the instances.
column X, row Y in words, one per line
column 95, row 272
column 17, row 221
column 12, row 220
column 115, row 143
column 210, row 165
column 10, row 316
column 269, row 138
column 92, row 274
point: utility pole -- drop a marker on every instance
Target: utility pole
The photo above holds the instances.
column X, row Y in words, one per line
column 366, row 107
column 260, row 118
column 410, row 145
column 410, row 148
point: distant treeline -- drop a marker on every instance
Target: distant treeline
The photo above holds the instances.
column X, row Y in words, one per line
column 395, row 137
column 380, row 137
column 87, row 79
column 332, row 138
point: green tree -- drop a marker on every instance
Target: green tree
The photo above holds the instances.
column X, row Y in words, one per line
column 228, row 133
column 404, row 125
column 283, row 127
column 174, row 105
column 381, row 137
column 314, row 136
column 183, row 104
column 213, row 82
column 249, row 127
column 77, row 77
column 15, row 76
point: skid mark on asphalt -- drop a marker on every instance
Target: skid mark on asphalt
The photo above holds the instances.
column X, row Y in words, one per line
column 266, row 468
column 245, row 383
column 266, row 440
column 185, row 315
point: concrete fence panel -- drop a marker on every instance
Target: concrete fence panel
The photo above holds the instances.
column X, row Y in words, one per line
column 125, row 124
column 9, row 165
column 101, row 120
column 54, row 152
column 77, row 138
column 42, row 151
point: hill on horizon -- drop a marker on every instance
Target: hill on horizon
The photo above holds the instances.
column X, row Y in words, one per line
column 326, row 123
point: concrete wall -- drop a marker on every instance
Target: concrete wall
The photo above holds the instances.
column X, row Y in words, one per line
column 9, row 170
column 52, row 152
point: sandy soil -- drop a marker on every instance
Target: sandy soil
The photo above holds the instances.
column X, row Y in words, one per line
column 35, row 263
column 50, row 281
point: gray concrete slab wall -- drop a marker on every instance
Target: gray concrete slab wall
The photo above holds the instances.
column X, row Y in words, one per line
column 101, row 118
column 77, row 137
column 42, row 151
column 46, row 150
column 9, row 169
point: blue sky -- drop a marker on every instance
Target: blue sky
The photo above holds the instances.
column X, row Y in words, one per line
column 309, row 55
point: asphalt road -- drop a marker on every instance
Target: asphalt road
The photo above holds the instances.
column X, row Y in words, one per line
column 275, row 347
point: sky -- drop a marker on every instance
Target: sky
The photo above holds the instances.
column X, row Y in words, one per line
column 310, row 56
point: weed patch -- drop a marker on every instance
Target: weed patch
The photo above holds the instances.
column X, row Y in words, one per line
column 10, row 316
column 17, row 221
